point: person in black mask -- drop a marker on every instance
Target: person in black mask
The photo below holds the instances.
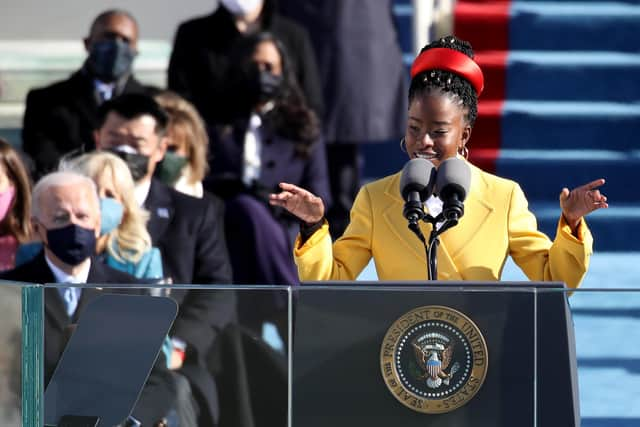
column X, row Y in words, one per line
column 188, row 231
column 276, row 137
column 65, row 216
column 59, row 119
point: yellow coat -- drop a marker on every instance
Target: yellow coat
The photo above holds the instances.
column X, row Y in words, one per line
column 496, row 223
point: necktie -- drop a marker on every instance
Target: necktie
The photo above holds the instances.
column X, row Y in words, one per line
column 70, row 298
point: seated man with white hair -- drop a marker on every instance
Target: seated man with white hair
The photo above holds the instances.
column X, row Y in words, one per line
column 65, row 215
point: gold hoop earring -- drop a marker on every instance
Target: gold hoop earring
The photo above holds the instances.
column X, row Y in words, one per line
column 464, row 152
column 403, row 145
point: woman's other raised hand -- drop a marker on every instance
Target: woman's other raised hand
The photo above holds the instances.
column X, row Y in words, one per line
column 300, row 202
column 582, row 200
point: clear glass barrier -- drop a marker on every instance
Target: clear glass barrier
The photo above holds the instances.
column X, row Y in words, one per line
column 226, row 344
column 372, row 354
column 20, row 354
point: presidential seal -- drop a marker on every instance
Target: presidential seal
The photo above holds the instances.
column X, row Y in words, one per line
column 434, row 359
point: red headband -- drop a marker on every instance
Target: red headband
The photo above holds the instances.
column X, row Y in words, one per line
column 442, row 58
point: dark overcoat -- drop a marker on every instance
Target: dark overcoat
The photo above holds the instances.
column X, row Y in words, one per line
column 363, row 78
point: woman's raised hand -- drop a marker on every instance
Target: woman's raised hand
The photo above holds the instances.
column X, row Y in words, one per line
column 582, row 200
column 300, row 202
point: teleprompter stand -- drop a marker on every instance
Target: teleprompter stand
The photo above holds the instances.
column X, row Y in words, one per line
column 107, row 361
column 78, row 421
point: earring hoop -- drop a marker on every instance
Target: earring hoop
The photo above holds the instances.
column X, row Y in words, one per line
column 464, row 152
column 403, row 145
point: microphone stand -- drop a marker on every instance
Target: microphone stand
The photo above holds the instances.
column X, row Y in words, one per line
column 434, row 242
column 431, row 247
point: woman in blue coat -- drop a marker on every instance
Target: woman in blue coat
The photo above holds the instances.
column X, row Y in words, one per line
column 124, row 242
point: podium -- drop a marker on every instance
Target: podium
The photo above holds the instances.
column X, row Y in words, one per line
column 410, row 354
column 381, row 354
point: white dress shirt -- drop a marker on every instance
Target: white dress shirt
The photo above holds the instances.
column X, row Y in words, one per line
column 252, row 151
column 70, row 296
column 141, row 191
column 105, row 90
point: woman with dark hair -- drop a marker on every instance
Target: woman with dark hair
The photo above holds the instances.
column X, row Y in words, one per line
column 15, row 205
column 263, row 82
column 443, row 98
column 275, row 138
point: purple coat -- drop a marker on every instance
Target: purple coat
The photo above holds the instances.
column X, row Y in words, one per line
column 280, row 163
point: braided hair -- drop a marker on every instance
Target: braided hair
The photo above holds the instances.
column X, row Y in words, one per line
column 450, row 83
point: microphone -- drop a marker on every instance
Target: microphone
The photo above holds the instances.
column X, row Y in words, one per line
column 416, row 186
column 452, row 185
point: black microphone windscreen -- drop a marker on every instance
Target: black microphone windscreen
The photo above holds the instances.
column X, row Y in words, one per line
column 416, row 176
column 453, row 176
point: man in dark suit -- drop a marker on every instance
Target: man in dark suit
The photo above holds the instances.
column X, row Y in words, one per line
column 188, row 231
column 61, row 118
column 66, row 217
column 203, row 51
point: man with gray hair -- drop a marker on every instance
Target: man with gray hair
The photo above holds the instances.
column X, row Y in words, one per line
column 65, row 215
column 66, row 218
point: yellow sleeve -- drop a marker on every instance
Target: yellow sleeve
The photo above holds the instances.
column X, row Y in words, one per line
column 318, row 259
column 566, row 259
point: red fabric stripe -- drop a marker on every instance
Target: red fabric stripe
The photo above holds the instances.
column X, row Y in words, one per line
column 484, row 146
column 494, row 66
column 486, row 26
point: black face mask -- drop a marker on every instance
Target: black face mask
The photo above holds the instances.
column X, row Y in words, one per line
column 72, row 244
column 137, row 163
column 110, row 59
column 263, row 85
column 270, row 85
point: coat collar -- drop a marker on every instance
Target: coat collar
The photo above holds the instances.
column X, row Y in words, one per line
column 84, row 98
column 478, row 208
column 159, row 203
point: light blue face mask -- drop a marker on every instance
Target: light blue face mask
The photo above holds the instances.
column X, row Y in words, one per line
column 111, row 211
